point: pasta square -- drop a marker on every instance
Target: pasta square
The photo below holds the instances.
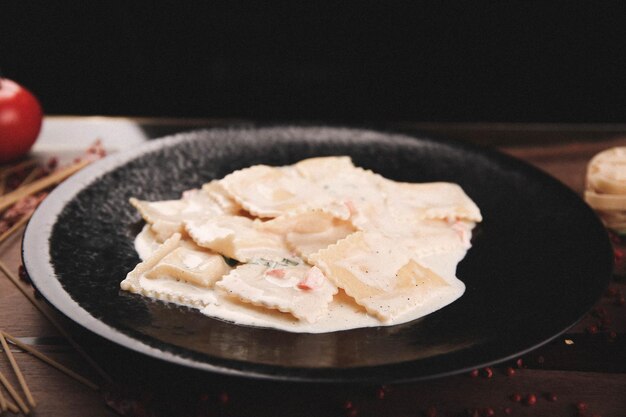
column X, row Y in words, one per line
column 166, row 277
column 435, row 200
column 191, row 264
column 236, row 237
column 266, row 191
column 309, row 231
column 166, row 217
column 299, row 290
column 380, row 275
column 321, row 168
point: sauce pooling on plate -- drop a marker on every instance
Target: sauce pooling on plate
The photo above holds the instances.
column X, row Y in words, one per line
column 318, row 246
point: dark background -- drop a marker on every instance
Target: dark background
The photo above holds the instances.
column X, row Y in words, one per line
column 335, row 61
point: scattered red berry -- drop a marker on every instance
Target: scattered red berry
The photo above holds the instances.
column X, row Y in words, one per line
column 509, row 371
column 581, row 406
column 381, row 393
column 52, row 163
column 550, row 396
column 347, row 405
column 508, row 410
column 618, row 254
column 474, row 373
column 592, row 329
column 531, row 399
column 516, row 397
column 489, row 412
column 488, row 372
column 22, row 274
column 519, row 363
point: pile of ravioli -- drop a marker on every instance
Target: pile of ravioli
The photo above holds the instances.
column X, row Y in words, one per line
column 291, row 238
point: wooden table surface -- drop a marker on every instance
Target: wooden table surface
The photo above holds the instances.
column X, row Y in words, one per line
column 583, row 367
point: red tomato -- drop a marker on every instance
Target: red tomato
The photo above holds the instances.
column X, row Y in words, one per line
column 20, row 120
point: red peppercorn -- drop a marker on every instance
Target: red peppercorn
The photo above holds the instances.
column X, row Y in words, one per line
column 21, row 272
column 489, row 412
column 509, row 371
column 52, row 163
column 618, row 254
column 488, row 372
column 550, row 396
column 592, row 329
column 474, row 373
column 347, row 405
column 531, row 399
column 516, row 397
column 381, row 393
column 519, row 363
column 508, row 410
column 581, row 406
column 431, row 411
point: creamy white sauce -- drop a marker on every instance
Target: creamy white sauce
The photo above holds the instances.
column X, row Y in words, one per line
column 342, row 313
column 146, row 243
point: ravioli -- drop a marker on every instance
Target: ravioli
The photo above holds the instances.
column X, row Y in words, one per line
column 379, row 274
column 236, row 237
column 321, row 245
column 300, row 290
column 166, row 276
column 435, row 200
column 192, row 265
column 266, row 191
column 324, row 167
column 166, row 217
column 309, row 231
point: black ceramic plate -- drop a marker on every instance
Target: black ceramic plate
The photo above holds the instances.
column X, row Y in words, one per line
column 540, row 259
